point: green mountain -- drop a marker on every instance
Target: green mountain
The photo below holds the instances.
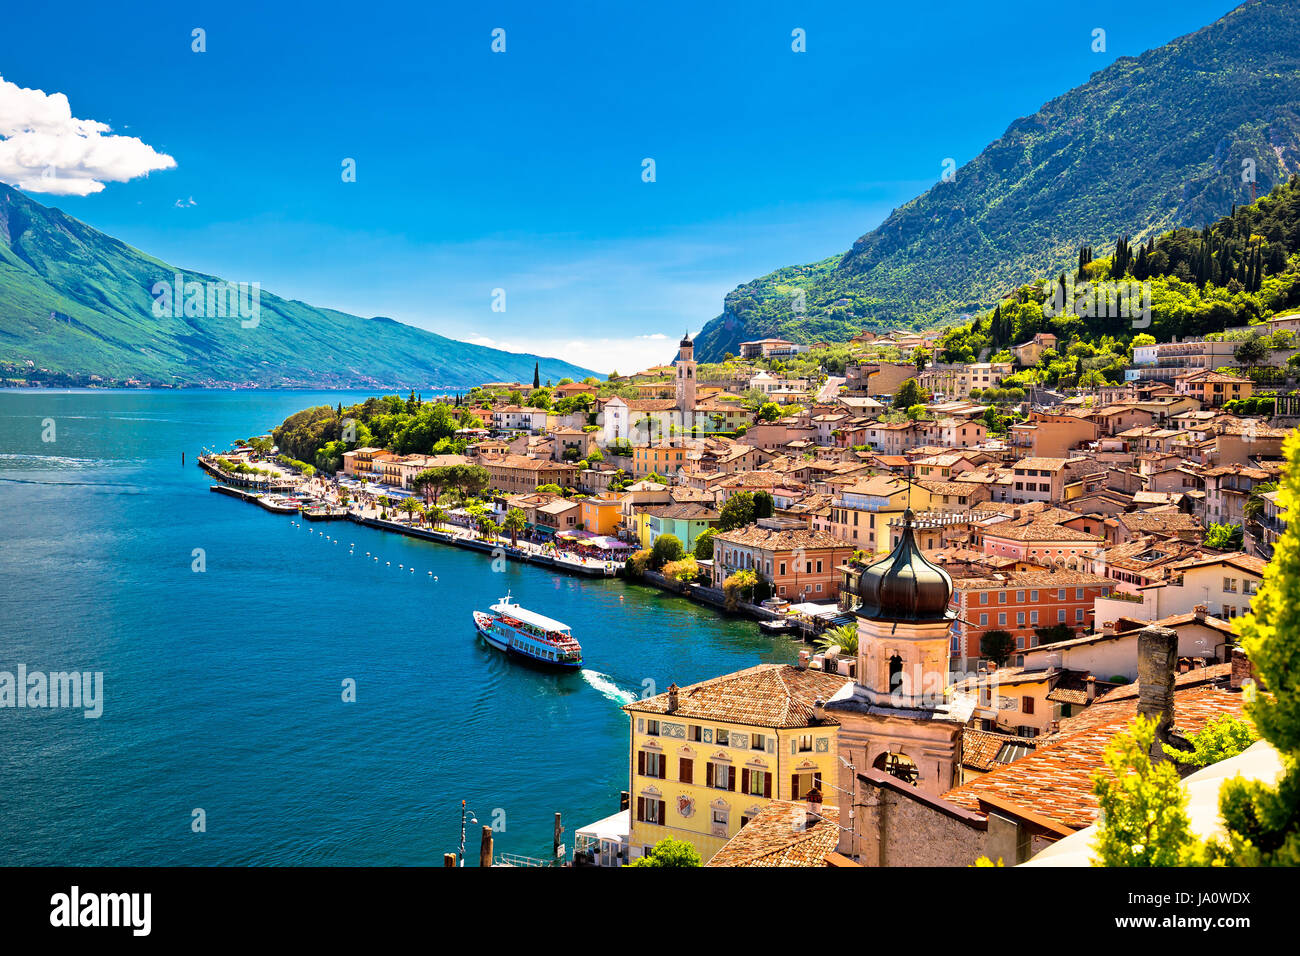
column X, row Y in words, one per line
column 1145, row 145
column 78, row 302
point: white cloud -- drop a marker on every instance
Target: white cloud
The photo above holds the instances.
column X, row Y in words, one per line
column 625, row 355
column 44, row 148
column 185, row 203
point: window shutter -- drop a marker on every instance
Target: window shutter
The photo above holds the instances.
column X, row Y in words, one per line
column 794, row 787
column 708, row 774
column 731, row 778
column 744, row 780
column 687, row 774
column 817, row 780
column 663, row 812
column 663, row 766
column 640, row 762
column 767, row 785
column 640, row 809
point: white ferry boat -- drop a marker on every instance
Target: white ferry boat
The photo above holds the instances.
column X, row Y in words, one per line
column 516, row 630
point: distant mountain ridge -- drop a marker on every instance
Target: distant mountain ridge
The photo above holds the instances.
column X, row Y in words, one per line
column 1146, row 144
column 75, row 300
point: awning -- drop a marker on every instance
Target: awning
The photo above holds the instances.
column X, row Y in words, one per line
column 615, row 827
column 815, row 610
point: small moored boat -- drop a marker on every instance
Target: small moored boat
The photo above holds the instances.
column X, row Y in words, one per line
column 516, row 630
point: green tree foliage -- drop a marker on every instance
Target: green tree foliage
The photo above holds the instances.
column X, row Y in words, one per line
column 704, row 545
column 737, row 512
column 1223, row 737
column 1054, row 634
column 1144, row 818
column 738, row 586
column 638, row 563
column 910, row 393
column 1250, row 352
column 764, row 505
column 404, row 426
column 682, row 571
column 845, row 637
column 516, row 521
column 667, row 547
column 1253, row 510
column 670, row 852
column 997, row 646
column 1262, row 820
column 1224, row 537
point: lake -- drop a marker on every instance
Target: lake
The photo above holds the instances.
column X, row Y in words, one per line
column 223, row 687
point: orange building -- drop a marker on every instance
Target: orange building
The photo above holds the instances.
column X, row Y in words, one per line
column 799, row 563
column 601, row 514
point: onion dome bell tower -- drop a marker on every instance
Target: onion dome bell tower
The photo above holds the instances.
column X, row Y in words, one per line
column 904, row 625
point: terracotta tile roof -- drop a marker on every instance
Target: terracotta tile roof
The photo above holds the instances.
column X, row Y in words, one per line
column 1209, row 375
column 1039, row 531
column 983, row 750
column 682, row 511
column 1056, row 780
column 786, row 539
column 1071, row 687
column 1239, row 560
column 772, row 839
column 778, row 696
column 1041, row 464
column 758, row 479
column 1172, row 522
column 527, row 464
column 1035, row 579
column 947, row 488
column 1194, row 678
column 682, row 493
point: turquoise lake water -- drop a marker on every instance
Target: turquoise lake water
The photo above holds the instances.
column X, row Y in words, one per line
column 222, row 689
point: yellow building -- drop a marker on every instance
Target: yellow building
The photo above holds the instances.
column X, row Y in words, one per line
column 641, row 526
column 861, row 513
column 706, row 759
column 662, row 460
column 601, row 514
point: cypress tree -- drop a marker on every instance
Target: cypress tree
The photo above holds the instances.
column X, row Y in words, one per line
column 537, row 377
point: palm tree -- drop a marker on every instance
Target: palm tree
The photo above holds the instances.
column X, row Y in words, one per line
column 515, row 522
column 845, row 637
column 436, row 515
column 409, row 505
column 1254, row 507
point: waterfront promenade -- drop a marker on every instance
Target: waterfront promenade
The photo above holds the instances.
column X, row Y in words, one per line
column 363, row 507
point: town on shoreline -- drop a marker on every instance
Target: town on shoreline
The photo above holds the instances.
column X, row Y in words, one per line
column 1046, row 551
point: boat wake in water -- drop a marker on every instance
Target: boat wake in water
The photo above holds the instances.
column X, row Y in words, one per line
column 608, row 689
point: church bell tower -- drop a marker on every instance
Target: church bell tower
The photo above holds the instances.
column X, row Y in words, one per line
column 686, row 375
column 898, row 716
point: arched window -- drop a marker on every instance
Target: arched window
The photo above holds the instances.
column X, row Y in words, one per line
column 899, row 765
column 895, row 673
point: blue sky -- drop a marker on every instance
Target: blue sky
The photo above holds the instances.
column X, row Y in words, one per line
column 522, row 170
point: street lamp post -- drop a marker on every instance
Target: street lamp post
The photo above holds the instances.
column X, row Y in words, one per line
column 464, row 814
